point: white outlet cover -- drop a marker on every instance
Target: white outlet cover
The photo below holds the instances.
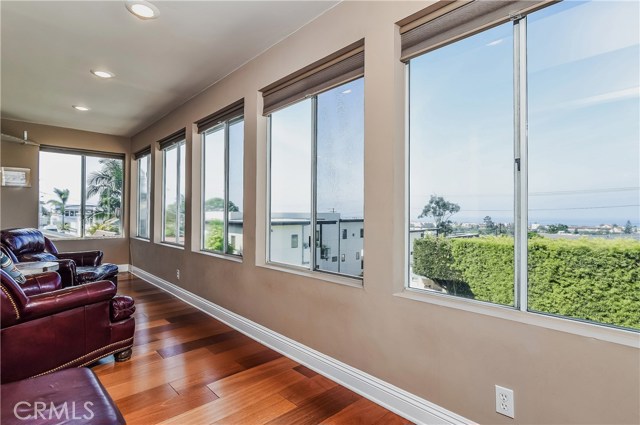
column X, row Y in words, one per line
column 505, row 401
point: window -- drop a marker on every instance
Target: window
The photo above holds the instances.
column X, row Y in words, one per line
column 83, row 201
column 312, row 179
column 173, row 189
column 222, row 180
column 544, row 220
column 143, row 161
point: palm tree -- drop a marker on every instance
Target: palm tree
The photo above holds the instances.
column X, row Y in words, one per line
column 107, row 184
column 61, row 202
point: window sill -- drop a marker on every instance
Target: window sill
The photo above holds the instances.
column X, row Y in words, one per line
column 590, row 330
column 138, row 238
column 353, row 282
column 234, row 258
column 91, row 238
column 171, row 245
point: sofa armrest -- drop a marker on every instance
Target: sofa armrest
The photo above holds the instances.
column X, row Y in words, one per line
column 82, row 258
column 66, row 299
column 41, row 283
column 122, row 307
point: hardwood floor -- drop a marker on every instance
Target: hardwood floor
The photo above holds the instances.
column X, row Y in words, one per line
column 188, row 368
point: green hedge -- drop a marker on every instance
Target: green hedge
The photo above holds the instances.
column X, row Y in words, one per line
column 593, row 279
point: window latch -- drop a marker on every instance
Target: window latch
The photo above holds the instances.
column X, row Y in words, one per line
column 518, row 163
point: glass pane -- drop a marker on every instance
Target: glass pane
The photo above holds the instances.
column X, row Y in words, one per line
column 103, row 202
column 236, row 169
column 143, row 196
column 170, row 194
column 584, row 156
column 214, row 188
column 60, row 195
column 461, row 168
column 340, row 179
column 290, row 169
column 182, row 206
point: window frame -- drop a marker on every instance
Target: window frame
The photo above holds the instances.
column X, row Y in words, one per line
column 146, row 156
column 311, row 269
column 224, row 126
column 83, row 154
column 519, row 311
column 163, row 152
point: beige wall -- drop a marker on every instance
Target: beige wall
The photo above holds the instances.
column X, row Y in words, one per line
column 446, row 355
column 19, row 206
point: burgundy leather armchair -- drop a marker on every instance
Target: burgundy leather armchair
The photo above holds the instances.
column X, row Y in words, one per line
column 45, row 328
column 75, row 268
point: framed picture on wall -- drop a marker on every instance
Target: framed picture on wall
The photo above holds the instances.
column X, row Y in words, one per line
column 16, row 177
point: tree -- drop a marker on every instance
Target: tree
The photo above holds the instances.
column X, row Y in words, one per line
column 441, row 211
column 107, row 184
column 489, row 225
column 556, row 228
column 628, row 228
column 217, row 204
column 61, row 202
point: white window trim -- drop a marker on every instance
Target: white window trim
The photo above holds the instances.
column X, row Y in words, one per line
column 163, row 191
column 136, row 172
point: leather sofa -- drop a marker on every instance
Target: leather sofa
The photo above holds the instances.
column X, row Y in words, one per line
column 75, row 268
column 69, row 397
column 46, row 328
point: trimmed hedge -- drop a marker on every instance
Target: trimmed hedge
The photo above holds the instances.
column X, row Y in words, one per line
column 592, row 279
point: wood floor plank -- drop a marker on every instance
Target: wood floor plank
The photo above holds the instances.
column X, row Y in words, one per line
column 189, row 368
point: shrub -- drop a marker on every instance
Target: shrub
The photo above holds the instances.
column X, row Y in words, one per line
column 592, row 279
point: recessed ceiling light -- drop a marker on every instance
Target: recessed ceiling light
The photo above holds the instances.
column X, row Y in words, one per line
column 80, row 108
column 142, row 9
column 347, row 91
column 102, row 74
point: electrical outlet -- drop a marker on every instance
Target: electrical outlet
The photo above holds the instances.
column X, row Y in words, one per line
column 178, row 274
column 504, row 401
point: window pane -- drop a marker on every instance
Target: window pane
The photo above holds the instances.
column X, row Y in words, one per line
column 60, row 194
column 103, row 196
column 214, row 188
column 143, row 196
column 584, row 161
column 236, row 169
column 461, row 168
column 290, row 183
column 170, row 194
column 182, row 202
column 340, row 177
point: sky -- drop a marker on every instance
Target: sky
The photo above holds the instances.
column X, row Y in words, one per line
column 583, row 79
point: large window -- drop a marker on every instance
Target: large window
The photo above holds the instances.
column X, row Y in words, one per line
column 80, row 194
column 316, row 181
column 173, row 192
column 143, row 161
column 222, row 194
column 543, row 220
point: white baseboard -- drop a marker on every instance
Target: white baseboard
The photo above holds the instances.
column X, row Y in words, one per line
column 405, row 404
column 123, row 268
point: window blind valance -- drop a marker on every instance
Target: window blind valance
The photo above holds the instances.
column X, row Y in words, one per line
column 455, row 20
column 172, row 139
column 144, row 152
column 73, row 151
column 232, row 111
column 344, row 65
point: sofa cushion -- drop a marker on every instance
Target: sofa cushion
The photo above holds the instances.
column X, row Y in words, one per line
column 23, row 241
column 91, row 274
column 71, row 396
column 8, row 266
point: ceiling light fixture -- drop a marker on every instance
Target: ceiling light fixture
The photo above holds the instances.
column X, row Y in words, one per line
column 80, row 108
column 142, row 9
column 102, row 74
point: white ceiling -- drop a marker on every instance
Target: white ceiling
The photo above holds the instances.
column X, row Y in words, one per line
column 48, row 49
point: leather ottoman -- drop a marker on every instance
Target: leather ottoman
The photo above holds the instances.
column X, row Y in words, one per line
column 71, row 396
